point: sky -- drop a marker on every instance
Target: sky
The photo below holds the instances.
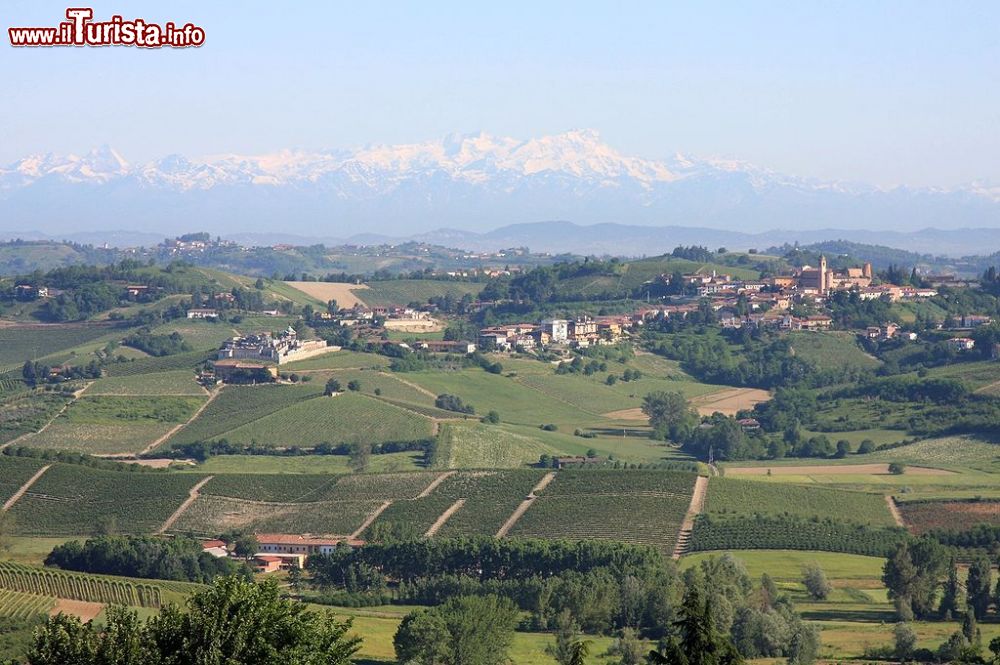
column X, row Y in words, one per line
column 883, row 92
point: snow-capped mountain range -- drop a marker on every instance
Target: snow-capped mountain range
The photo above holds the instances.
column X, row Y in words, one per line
column 470, row 182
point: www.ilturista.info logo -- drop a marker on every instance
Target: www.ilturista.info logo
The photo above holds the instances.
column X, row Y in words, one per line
column 81, row 30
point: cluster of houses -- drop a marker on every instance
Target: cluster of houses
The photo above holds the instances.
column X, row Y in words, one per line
column 361, row 315
column 580, row 333
column 134, row 292
column 280, row 551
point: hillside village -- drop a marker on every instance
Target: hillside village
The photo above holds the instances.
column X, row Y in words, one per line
column 691, row 405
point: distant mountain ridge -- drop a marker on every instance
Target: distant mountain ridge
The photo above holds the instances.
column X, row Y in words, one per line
column 598, row 239
column 463, row 182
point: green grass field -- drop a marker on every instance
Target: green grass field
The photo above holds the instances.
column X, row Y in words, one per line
column 516, row 403
column 338, row 360
column 728, row 497
column 476, row 445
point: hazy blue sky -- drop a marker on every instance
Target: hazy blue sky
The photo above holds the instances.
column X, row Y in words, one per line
column 887, row 92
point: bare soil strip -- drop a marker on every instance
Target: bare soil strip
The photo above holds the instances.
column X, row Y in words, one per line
column 192, row 497
column 729, row 401
column 627, row 414
column 155, row 444
column 24, row 488
column 371, row 518
column 523, row 508
column 434, row 484
column 444, row 517
column 832, row 470
column 694, row 509
column 894, row 509
column 79, row 608
column 343, row 293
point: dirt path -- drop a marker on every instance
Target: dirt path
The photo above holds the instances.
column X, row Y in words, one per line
column 368, row 520
column 24, row 488
column 894, row 509
column 27, row 435
column 173, row 430
column 988, row 388
column 523, row 508
column 79, row 608
column 694, row 509
column 434, row 484
column 192, row 497
column 444, row 517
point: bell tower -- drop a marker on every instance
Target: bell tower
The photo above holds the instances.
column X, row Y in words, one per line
column 823, row 285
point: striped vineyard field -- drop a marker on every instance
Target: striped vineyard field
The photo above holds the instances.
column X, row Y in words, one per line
column 644, row 507
column 75, row 586
column 18, row 605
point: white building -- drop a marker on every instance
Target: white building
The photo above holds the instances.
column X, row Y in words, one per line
column 557, row 329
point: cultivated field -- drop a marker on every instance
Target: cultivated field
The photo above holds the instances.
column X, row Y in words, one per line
column 76, row 500
column 730, row 401
column 730, row 497
column 346, row 295
column 212, row 515
column 176, row 382
column 405, row 291
column 346, row 418
column 115, row 424
column 14, row 472
column 639, row 507
column 831, row 350
column 236, row 406
column 923, row 516
column 475, row 445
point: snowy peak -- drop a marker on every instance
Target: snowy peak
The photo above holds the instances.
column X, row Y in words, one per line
column 466, row 181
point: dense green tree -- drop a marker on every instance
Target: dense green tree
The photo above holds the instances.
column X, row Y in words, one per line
column 979, row 585
column 912, row 575
column 699, row 641
column 815, row 582
column 466, row 630
column 233, row 621
column 949, row 596
column 670, row 414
